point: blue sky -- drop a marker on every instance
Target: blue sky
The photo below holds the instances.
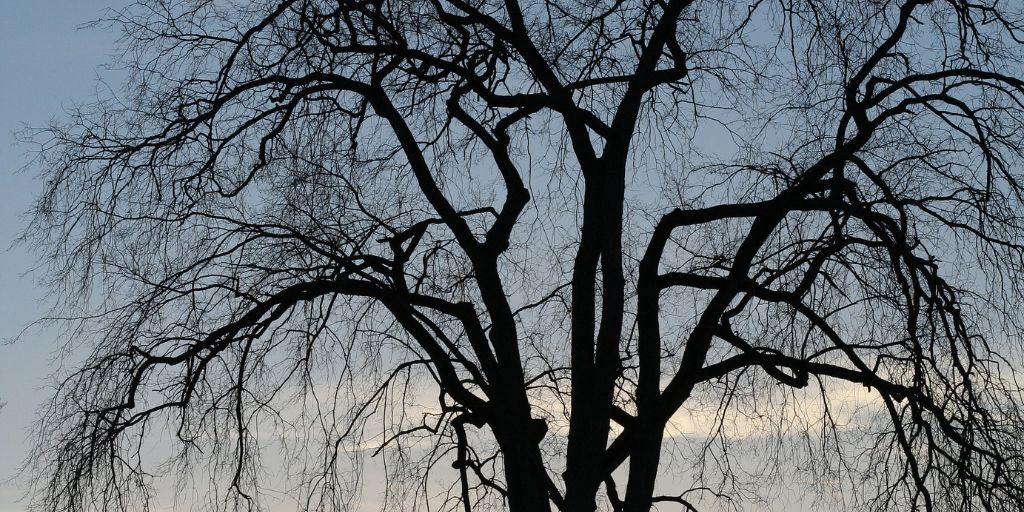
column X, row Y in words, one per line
column 46, row 63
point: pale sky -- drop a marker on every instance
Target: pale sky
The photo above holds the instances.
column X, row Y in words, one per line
column 46, row 63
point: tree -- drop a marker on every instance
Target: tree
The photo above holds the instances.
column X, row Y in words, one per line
column 533, row 254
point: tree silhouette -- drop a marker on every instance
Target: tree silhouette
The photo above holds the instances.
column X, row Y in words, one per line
column 531, row 255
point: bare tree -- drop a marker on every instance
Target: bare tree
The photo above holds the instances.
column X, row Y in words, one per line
column 531, row 255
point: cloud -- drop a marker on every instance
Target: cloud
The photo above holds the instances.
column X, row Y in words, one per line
column 843, row 404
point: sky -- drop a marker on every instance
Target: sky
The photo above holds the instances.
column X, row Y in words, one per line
column 47, row 63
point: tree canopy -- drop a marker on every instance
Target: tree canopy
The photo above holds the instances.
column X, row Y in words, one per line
column 565, row 255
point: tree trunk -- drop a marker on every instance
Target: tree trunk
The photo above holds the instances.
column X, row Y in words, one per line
column 525, row 476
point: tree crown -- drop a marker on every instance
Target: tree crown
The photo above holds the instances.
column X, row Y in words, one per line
column 537, row 251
